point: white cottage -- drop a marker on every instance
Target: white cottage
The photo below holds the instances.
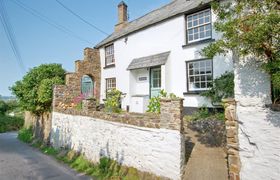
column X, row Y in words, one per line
column 161, row 50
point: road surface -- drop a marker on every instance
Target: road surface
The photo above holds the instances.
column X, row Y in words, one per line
column 18, row 161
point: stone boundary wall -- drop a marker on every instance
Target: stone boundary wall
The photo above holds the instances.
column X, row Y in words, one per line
column 232, row 146
column 149, row 142
column 64, row 95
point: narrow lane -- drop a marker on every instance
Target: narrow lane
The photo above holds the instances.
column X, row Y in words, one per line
column 19, row 161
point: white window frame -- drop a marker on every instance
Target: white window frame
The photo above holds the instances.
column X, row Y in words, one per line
column 198, row 77
column 199, row 26
column 109, row 55
column 111, row 83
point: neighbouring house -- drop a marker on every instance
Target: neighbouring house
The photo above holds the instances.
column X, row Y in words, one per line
column 161, row 50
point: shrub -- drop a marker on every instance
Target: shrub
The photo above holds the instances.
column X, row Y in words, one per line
column 154, row 103
column 113, row 101
column 3, row 107
column 223, row 87
column 26, row 135
column 8, row 123
column 34, row 91
column 204, row 114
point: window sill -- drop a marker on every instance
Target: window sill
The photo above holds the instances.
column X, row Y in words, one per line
column 198, row 42
column 193, row 92
column 109, row 66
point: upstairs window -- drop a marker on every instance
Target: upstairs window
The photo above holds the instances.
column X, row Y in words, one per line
column 109, row 55
column 110, row 84
column 199, row 26
column 199, row 75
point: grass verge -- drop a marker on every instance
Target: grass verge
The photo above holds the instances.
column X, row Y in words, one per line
column 105, row 169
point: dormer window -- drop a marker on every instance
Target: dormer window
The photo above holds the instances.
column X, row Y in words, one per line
column 199, row 26
column 109, row 55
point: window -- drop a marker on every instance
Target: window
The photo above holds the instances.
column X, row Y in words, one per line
column 199, row 75
column 199, row 26
column 109, row 55
column 110, row 84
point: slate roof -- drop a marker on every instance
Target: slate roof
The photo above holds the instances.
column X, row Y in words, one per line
column 149, row 61
column 174, row 8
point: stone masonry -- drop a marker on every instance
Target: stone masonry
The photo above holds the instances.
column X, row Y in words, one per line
column 234, row 164
column 64, row 95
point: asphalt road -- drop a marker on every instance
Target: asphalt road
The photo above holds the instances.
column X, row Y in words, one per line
column 19, row 161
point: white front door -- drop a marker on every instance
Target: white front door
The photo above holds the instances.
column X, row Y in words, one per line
column 155, row 81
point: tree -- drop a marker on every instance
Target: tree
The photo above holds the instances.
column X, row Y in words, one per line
column 3, row 107
column 34, row 91
column 249, row 27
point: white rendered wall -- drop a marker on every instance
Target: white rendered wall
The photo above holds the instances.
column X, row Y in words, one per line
column 259, row 127
column 165, row 36
column 151, row 150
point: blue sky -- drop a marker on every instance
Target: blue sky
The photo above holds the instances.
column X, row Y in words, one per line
column 39, row 42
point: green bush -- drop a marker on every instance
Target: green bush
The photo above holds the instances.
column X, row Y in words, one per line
column 113, row 101
column 26, row 135
column 204, row 114
column 223, row 87
column 154, row 103
column 8, row 123
column 34, row 91
column 3, row 107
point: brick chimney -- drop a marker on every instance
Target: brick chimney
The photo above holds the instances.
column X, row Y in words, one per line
column 122, row 16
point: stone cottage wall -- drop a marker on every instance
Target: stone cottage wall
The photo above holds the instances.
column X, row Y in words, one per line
column 148, row 142
column 64, row 95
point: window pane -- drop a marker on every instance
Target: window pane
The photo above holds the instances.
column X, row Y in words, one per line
column 203, row 78
column 191, row 72
column 195, row 17
column 196, row 64
column 189, row 18
column 201, row 15
column 190, row 37
column 189, row 24
column 201, row 35
column 207, row 19
column 190, row 65
column 196, row 36
column 190, row 31
column 198, row 79
column 203, row 85
column 201, row 21
column 208, row 27
column 191, row 79
column 208, row 33
column 195, row 30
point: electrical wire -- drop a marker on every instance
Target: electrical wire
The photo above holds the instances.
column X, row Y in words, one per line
column 10, row 35
column 82, row 19
column 52, row 23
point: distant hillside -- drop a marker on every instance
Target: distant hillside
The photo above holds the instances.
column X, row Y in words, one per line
column 7, row 98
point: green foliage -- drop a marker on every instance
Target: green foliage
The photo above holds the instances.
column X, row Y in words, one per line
column 249, row 27
column 154, row 103
column 13, row 107
column 204, row 114
column 223, row 87
column 34, row 91
column 26, row 135
column 8, row 123
column 3, row 107
column 113, row 101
